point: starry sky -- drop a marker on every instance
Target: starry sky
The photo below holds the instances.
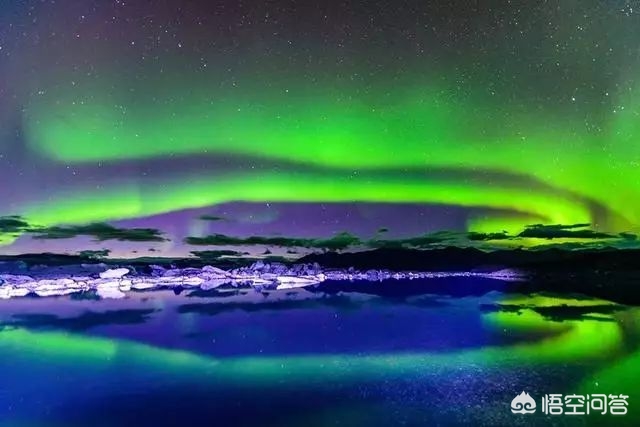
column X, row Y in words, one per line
column 138, row 125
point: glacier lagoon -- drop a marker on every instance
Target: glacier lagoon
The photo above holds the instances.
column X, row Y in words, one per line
column 389, row 352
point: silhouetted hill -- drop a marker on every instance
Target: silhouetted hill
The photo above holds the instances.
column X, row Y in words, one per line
column 455, row 259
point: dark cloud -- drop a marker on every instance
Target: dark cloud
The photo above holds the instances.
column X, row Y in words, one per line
column 590, row 239
column 215, row 254
column 338, row 242
column 488, row 236
column 101, row 232
column 211, row 218
column 574, row 246
column 559, row 226
column 575, row 231
column 13, row 224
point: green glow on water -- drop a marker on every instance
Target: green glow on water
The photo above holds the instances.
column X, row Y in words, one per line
column 563, row 342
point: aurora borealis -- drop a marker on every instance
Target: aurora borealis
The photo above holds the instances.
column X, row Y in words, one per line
column 311, row 120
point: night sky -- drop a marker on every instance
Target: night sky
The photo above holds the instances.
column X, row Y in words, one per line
column 308, row 119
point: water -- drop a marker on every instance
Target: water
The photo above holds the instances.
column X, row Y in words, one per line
column 314, row 356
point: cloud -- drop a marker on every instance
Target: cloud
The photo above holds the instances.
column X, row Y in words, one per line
column 210, row 255
column 100, row 232
column 13, row 224
column 338, row 242
column 211, row 218
column 488, row 236
column 586, row 239
column 575, row 231
column 559, row 226
column 16, row 225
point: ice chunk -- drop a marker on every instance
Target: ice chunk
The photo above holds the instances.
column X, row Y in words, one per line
column 111, row 293
column 55, row 292
column 192, row 281
column 9, row 291
column 125, row 285
column 289, row 282
column 213, row 283
column 143, row 285
column 109, row 289
column 5, row 292
column 210, row 272
column 114, row 273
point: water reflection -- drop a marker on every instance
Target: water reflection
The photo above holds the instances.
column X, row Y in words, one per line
column 341, row 357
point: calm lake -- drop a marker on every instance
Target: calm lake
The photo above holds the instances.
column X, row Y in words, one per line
column 332, row 354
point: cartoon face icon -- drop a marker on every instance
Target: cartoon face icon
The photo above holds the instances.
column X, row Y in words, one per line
column 523, row 404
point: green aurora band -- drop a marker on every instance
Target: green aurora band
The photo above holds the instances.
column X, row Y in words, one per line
column 407, row 126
